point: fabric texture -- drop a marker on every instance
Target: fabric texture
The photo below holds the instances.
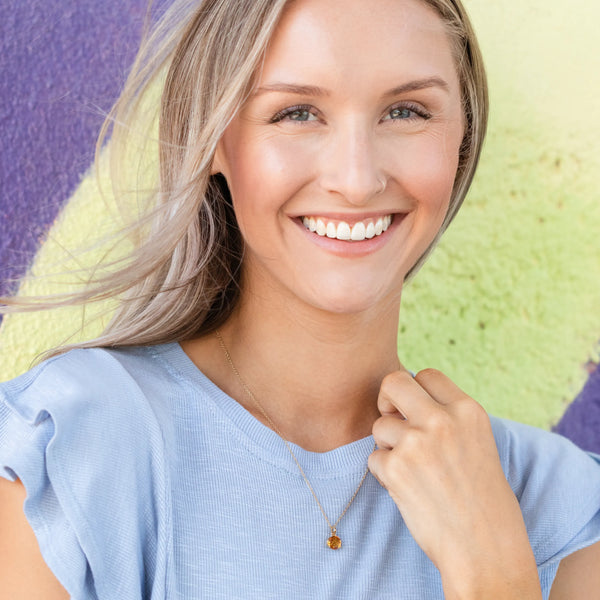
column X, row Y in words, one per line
column 145, row 481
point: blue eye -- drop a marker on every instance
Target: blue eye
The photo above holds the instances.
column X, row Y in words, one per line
column 401, row 113
column 298, row 114
column 406, row 113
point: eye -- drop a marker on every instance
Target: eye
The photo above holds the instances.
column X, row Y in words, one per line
column 299, row 114
column 401, row 113
column 406, row 112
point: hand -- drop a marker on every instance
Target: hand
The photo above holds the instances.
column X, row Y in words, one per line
column 437, row 458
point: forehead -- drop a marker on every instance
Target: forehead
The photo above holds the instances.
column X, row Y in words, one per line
column 358, row 41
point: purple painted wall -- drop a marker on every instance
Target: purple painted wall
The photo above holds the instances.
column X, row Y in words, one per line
column 581, row 421
column 62, row 63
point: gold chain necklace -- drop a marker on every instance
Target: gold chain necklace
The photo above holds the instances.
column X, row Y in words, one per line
column 333, row 541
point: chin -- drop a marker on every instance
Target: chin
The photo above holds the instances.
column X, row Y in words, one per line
column 352, row 299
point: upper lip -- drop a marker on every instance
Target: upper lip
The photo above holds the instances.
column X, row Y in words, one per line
column 348, row 217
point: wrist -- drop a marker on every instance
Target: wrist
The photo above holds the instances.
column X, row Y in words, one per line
column 497, row 588
column 491, row 579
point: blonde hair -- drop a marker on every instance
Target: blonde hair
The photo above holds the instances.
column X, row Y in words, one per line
column 182, row 278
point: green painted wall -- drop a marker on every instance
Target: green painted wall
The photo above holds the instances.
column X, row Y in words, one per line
column 508, row 304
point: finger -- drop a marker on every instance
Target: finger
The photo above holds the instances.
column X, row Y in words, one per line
column 441, row 388
column 376, row 463
column 400, row 393
column 388, row 430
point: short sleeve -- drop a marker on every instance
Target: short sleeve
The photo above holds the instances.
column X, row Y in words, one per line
column 558, row 488
column 78, row 433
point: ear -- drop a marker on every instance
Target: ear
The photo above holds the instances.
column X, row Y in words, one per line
column 218, row 163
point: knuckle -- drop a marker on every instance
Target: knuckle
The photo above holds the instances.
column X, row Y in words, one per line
column 386, row 431
column 378, row 427
column 394, row 378
column 384, row 400
column 413, row 447
column 372, row 462
column 428, row 373
column 471, row 410
column 475, row 408
column 440, row 423
column 388, row 381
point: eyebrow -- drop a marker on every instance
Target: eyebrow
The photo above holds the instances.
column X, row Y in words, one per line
column 292, row 88
column 419, row 84
column 313, row 90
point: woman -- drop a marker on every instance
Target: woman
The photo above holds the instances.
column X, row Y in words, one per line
column 244, row 427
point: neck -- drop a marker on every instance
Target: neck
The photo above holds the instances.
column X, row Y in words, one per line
column 316, row 375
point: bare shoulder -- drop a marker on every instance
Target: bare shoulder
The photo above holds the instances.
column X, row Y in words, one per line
column 23, row 573
column 578, row 576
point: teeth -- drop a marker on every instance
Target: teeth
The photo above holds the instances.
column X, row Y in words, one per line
column 342, row 231
column 358, row 232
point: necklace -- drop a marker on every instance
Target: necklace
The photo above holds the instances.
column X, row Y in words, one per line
column 333, row 541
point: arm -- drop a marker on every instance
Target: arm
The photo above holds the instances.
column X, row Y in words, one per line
column 578, row 576
column 23, row 573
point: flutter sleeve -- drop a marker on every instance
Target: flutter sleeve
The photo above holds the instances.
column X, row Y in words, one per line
column 558, row 488
column 78, row 434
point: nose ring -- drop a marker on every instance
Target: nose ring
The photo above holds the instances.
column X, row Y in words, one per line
column 382, row 185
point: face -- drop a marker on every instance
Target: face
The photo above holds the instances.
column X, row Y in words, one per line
column 342, row 161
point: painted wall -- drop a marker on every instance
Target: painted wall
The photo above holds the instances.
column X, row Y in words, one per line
column 508, row 306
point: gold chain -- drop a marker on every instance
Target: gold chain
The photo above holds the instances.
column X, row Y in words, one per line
column 333, row 542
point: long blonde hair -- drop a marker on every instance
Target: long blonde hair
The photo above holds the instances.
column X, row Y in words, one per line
column 182, row 278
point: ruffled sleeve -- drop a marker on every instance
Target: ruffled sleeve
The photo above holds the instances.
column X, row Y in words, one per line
column 558, row 488
column 79, row 434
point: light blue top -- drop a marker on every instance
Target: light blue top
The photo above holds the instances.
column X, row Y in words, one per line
column 145, row 480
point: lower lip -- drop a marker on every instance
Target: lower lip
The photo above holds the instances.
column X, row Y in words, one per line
column 352, row 248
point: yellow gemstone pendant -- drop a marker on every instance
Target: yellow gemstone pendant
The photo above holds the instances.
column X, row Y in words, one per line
column 334, row 542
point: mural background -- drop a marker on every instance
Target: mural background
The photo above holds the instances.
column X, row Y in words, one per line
column 508, row 306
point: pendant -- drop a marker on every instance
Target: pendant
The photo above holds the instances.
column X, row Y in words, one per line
column 334, row 542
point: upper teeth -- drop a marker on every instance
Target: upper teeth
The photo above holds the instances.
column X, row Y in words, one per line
column 341, row 230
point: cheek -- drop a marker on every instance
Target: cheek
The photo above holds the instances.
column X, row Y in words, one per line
column 429, row 171
column 264, row 174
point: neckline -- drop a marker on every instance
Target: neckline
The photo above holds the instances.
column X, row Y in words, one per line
column 349, row 459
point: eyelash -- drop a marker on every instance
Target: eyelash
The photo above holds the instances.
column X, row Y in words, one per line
column 414, row 108
column 286, row 112
column 417, row 109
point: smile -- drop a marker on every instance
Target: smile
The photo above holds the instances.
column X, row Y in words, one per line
column 340, row 230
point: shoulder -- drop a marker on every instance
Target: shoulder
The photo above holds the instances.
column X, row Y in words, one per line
column 528, row 452
column 88, row 384
column 557, row 485
column 82, row 433
column 87, row 409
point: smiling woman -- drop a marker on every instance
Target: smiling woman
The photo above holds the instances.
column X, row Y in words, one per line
column 346, row 137
column 244, row 426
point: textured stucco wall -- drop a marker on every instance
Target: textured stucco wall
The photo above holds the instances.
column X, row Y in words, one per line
column 507, row 306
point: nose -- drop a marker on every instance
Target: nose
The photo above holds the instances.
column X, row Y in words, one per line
column 351, row 166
